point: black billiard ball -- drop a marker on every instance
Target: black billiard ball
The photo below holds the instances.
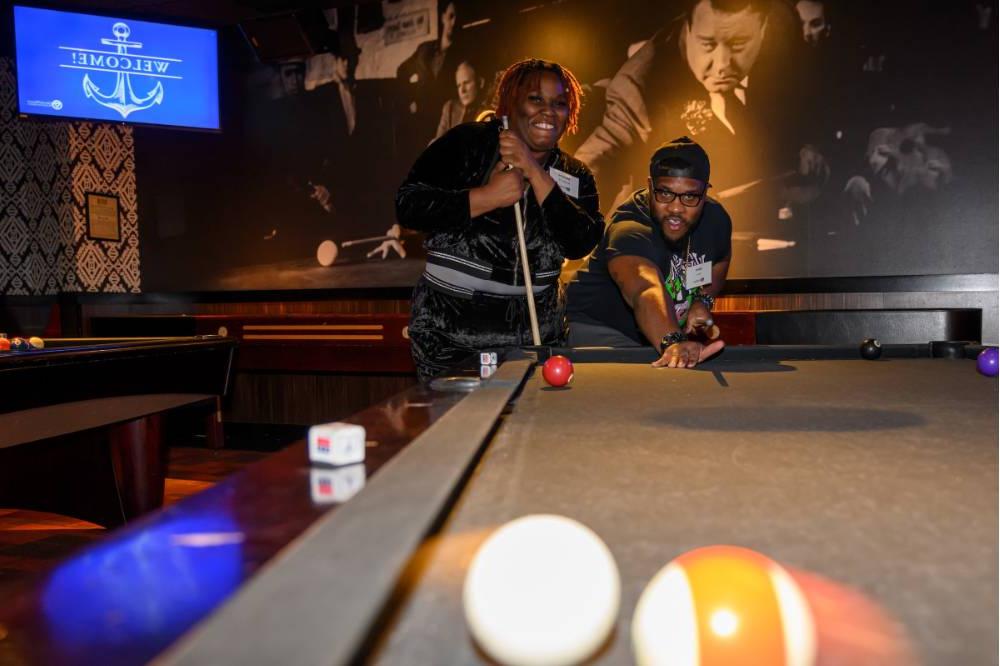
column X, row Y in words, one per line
column 871, row 349
column 19, row 344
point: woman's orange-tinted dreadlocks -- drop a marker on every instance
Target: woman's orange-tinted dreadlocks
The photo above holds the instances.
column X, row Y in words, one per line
column 516, row 80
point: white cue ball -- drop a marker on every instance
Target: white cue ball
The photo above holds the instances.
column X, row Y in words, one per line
column 326, row 253
column 543, row 590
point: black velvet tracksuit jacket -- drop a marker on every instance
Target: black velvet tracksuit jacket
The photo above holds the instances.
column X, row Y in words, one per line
column 448, row 324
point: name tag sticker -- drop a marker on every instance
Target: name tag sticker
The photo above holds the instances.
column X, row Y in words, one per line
column 696, row 275
column 570, row 185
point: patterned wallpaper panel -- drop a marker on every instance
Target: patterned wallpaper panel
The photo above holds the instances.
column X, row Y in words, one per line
column 46, row 169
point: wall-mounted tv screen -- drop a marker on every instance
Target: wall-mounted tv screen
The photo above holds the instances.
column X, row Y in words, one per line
column 74, row 65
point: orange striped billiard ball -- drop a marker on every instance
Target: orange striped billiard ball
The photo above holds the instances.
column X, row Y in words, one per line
column 723, row 605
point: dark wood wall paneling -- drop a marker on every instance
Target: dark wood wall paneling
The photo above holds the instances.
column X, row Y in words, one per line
column 302, row 397
column 273, row 396
column 306, row 399
column 289, row 381
column 275, row 308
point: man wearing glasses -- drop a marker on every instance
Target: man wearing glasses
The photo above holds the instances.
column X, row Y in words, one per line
column 662, row 261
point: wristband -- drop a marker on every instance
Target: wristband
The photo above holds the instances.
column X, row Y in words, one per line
column 672, row 339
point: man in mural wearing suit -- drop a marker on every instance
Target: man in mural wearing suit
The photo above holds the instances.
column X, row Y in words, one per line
column 357, row 175
column 286, row 137
column 331, row 74
column 427, row 76
column 726, row 73
column 466, row 106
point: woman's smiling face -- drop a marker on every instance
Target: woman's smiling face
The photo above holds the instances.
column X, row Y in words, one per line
column 542, row 114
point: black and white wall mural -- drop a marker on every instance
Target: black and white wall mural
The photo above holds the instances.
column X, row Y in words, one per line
column 846, row 137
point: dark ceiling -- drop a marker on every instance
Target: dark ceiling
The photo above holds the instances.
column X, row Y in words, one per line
column 214, row 13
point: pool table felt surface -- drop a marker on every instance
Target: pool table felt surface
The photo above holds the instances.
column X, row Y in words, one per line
column 881, row 476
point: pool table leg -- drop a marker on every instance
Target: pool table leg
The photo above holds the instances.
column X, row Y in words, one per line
column 139, row 461
column 107, row 475
column 214, row 432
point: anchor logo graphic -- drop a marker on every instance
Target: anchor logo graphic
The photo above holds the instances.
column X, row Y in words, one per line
column 123, row 98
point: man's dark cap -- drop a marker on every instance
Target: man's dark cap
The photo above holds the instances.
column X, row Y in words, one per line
column 680, row 158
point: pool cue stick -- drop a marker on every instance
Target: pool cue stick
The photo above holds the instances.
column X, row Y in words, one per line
column 535, row 337
column 740, row 189
column 370, row 239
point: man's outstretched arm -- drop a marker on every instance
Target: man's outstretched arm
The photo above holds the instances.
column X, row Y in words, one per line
column 641, row 285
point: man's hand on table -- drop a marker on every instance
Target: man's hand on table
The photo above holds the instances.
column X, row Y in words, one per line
column 687, row 354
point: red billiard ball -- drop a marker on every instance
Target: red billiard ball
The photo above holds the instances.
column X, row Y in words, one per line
column 4, row 344
column 558, row 371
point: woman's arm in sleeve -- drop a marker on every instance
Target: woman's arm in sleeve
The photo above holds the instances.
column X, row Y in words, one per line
column 432, row 197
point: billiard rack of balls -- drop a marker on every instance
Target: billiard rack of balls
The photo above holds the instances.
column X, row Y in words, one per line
column 19, row 344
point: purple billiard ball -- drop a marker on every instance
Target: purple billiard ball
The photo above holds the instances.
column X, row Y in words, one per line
column 986, row 362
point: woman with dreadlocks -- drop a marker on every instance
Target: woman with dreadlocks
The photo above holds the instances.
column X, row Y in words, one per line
column 461, row 192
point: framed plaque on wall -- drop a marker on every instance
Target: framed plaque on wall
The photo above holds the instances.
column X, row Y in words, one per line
column 103, row 222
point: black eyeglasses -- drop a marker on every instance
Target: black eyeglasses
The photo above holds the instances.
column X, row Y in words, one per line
column 688, row 199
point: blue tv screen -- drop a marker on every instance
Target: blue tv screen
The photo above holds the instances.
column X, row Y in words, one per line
column 74, row 65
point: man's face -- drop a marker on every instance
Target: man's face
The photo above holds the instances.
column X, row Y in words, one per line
column 814, row 25
column 721, row 47
column 448, row 22
column 467, row 84
column 292, row 77
column 675, row 219
column 542, row 114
